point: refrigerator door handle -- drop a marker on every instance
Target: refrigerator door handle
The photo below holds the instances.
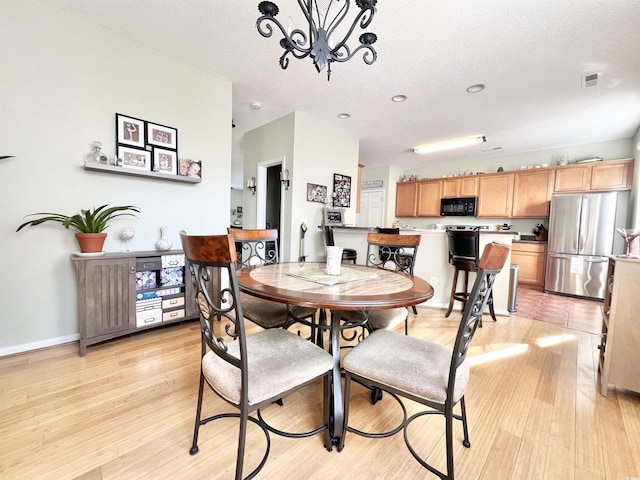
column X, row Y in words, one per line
column 596, row 260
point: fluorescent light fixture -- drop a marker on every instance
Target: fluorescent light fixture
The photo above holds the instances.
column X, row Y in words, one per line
column 449, row 144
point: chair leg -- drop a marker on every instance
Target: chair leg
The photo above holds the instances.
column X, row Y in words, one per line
column 491, row 310
column 448, row 416
column 346, row 392
column 242, row 436
column 453, row 292
column 326, row 413
column 194, row 445
column 465, row 427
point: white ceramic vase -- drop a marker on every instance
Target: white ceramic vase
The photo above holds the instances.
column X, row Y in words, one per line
column 164, row 243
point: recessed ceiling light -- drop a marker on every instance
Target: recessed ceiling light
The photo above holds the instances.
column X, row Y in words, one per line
column 343, row 116
column 255, row 105
column 478, row 87
column 398, row 98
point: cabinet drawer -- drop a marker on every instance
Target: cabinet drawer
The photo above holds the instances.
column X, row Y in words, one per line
column 173, row 260
column 148, row 263
column 172, row 302
column 173, row 315
column 148, row 317
column 529, row 247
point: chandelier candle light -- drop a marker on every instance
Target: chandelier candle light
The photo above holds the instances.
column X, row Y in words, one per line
column 324, row 18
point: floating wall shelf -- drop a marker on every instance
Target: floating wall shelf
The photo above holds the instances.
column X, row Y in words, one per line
column 99, row 167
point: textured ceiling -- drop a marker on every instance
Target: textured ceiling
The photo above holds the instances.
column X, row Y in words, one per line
column 530, row 54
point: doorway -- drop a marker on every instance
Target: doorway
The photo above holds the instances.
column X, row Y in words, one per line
column 269, row 213
column 371, row 208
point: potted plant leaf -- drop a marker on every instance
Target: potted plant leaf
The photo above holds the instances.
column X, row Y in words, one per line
column 89, row 224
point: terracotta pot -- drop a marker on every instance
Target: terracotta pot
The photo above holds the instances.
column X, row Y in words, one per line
column 91, row 242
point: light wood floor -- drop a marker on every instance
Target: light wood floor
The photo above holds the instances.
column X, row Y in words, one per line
column 125, row 411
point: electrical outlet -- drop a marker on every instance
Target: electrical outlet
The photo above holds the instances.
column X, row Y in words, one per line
column 433, row 281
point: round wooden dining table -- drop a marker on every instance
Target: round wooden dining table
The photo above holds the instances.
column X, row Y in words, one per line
column 357, row 288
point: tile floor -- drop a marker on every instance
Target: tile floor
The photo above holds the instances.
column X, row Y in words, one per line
column 574, row 313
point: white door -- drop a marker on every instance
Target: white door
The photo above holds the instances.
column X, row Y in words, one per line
column 371, row 208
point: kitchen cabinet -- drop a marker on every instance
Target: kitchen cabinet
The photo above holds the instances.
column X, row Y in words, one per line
column 124, row 293
column 620, row 337
column 495, row 195
column 612, row 175
column 596, row 177
column 406, row 199
column 466, row 186
column 531, row 257
column 532, row 191
column 429, row 194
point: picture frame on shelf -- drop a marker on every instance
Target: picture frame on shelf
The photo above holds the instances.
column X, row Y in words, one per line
column 165, row 161
column 134, row 158
column 190, row 168
column 316, row 193
column 130, row 131
column 162, row 136
column 341, row 190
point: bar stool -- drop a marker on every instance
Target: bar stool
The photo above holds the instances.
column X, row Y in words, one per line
column 464, row 251
column 348, row 254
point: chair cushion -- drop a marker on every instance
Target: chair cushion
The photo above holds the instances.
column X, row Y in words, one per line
column 408, row 364
column 270, row 314
column 278, row 361
column 388, row 318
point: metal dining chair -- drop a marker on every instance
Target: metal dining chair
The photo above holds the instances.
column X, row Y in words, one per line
column 248, row 371
column 392, row 252
column 260, row 247
column 424, row 372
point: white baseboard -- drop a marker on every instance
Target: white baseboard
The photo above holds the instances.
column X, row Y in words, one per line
column 49, row 342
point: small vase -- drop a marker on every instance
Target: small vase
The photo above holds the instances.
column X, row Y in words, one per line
column 164, row 243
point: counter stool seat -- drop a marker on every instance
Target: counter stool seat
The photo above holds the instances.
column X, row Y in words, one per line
column 348, row 254
column 464, row 250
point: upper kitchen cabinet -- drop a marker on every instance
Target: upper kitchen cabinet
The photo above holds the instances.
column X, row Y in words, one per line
column 429, row 194
column 532, row 191
column 406, row 199
column 598, row 176
column 612, row 175
column 466, row 186
column 495, row 195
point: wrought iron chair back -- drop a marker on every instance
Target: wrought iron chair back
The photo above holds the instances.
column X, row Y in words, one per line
column 416, row 370
column 257, row 247
column 275, row 350
column 395, row 252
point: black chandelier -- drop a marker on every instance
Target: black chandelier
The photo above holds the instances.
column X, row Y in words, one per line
column 323, row 23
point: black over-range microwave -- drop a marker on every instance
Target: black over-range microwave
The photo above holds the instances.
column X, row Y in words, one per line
column 458, row 207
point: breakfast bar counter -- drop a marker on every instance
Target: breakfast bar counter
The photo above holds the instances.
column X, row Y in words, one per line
column 432, row 262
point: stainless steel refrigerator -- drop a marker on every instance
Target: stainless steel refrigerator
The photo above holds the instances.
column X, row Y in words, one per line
column 582, row 234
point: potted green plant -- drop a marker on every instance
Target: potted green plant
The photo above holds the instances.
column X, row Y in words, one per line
column 89, row 224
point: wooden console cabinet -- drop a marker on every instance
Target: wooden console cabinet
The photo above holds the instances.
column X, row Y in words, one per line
column 618, row 363
column 111, row 289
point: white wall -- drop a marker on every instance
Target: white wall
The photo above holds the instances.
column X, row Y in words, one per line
column 295, row 138
column 63, row 79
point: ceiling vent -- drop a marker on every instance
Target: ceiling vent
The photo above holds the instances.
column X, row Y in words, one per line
column 590, row 80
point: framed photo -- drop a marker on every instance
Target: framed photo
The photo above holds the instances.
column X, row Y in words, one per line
column 162, row 136
column 165, row 161
column 134, row 158
column 316, row 193
column 190, row 168
column 341, row 190
column 130, row 131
